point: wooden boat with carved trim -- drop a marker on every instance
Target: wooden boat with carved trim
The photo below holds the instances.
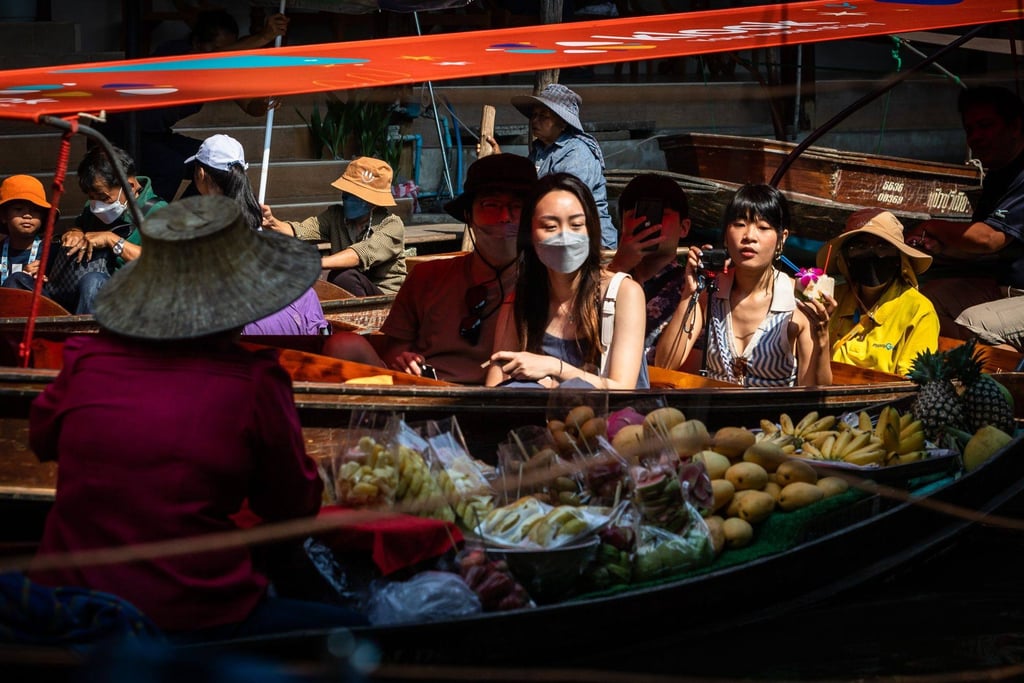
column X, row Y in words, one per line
column 823, row 185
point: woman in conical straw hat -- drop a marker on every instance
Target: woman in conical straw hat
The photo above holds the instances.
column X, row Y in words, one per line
column 163, row 425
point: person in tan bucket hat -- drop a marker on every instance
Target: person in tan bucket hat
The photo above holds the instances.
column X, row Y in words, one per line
column 882, row 321
column 367, row 240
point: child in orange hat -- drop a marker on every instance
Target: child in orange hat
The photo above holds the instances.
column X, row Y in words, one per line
column 23, row 209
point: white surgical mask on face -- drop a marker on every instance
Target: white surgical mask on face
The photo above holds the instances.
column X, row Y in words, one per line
column 108, row 213
column 564, row 252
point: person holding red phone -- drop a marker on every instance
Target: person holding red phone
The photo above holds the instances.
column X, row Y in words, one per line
column 655, row 216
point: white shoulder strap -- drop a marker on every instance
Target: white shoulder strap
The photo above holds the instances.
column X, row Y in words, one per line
column 608, row 317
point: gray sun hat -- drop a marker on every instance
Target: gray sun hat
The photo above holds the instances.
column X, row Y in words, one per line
column 501, row 172
column 556, row 97
column 203, row 270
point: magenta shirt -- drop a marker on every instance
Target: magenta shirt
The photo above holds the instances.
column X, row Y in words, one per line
column 165, row 441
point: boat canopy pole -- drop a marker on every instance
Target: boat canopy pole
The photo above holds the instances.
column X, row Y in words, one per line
column 881, row 90
column 903, row 42
column 437, row 121
column 268, row 132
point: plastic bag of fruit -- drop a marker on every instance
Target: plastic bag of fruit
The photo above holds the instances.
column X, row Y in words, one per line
column 605, row 475
column 466, row 482
column 528, row 465
column 613, row 561
column 428, row 596
column 418, row 491
column 366, row 473
column 661, row 553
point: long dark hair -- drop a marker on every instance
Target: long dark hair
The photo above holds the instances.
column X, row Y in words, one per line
column 234, row 183
column 533, row 289
column 758, row 202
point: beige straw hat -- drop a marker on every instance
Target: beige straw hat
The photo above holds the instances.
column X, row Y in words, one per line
column 883, row 225
column 203, row 271
column 369, row 179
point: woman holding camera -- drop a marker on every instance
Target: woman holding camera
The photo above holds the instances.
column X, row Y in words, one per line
column 758, row 333
column 571, row 323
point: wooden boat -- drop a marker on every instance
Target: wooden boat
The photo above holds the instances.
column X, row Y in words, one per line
column 824, row 185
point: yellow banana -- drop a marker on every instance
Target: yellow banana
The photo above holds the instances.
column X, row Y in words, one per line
column 805, row 422
column 811, row 451
column 787, row 423
column 905, row 419
column 864, row 422
column 883, row 420
column 865, row 456
column 858, row 441
column 821, row 424
column 911, row 442
column 769, row 427
column 842, row 443
column 789, row 448
column 817, row 438
column 891, row 435
column 910, row 427
column 913, row 456
column 826, row 447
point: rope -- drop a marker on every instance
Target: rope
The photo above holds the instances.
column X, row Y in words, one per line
column 60, row 173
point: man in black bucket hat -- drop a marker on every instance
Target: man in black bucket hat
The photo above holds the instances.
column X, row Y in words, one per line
column 444, row 314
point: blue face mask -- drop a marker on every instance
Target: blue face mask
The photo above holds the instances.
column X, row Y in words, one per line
column 565, row 252
column 355, row 208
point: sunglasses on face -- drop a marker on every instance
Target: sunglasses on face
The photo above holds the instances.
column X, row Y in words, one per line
column 476, row 301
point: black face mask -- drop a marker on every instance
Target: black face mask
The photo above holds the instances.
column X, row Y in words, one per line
column 872, row 271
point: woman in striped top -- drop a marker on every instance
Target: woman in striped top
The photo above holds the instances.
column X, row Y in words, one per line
column 759, row 334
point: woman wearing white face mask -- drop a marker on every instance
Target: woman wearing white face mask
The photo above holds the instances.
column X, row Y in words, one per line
column 571, row 322
column 105, row 227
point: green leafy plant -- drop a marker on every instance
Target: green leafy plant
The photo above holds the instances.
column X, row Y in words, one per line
column 358, row 125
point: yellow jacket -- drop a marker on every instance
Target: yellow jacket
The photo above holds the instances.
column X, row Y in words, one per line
column 889, row 336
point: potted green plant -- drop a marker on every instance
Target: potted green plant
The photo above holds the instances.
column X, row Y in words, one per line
column 352, row 128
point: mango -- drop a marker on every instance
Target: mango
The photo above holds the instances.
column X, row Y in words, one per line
column 661, row 420
column 733, row 441
column 689, row 437
column 746, row 476
column 733, row 509
column 767, row 454
column 592, row 429
column 715, row 463
column 716, row 533
column 756, row 507
column 577, row 416
column 738, row 532
column 983, row 445
column 773, row 489
column 795, row 470
column 832, row 486
column 799, row 494
column 628, row 441
column 723, row 491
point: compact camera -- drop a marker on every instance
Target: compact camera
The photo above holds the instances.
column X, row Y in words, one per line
column 713, row 260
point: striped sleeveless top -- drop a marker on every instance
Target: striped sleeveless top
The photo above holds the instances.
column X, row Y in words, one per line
column 768, row 359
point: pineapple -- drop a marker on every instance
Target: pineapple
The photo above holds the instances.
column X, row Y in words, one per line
column 984, row 400
column 937, row 405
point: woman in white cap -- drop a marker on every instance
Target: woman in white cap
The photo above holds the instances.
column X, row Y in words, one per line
column 882, row 321
column 367, row 240
column 560, row 146
column 163, row 426
column 219, row 169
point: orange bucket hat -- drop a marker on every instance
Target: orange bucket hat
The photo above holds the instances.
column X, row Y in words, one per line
column 369, row 179
column 23, row 187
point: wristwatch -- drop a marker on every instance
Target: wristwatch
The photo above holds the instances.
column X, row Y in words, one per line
column 118, row 247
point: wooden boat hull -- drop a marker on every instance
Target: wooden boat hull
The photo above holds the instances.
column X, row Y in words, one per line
column 824, row 185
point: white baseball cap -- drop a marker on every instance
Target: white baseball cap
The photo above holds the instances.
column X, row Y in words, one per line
column 220, row 152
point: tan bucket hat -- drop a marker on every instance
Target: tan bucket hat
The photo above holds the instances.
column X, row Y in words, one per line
column 883, row 225
column 369, row 179
column 203, row 271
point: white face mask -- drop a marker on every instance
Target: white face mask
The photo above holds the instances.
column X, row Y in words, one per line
column 497, row 242
column 108, row 213
column 564, row 252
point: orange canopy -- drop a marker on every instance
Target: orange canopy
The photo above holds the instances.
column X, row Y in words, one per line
column 137, row 84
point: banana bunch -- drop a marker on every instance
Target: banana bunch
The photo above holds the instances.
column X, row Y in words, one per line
column 851, row 445
column 810, row 427
column 368, row 476
column 902, row 436
column 418, row 489
column 467, row 491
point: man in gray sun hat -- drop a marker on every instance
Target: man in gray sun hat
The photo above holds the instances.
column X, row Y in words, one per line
column 560, row 146
column 445, row 313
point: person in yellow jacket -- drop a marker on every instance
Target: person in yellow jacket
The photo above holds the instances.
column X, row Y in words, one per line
column 882, row 321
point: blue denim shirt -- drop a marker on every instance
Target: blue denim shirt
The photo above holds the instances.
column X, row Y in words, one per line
column 579, row 154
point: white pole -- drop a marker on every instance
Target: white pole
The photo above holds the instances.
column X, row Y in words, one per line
column 265, row 165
